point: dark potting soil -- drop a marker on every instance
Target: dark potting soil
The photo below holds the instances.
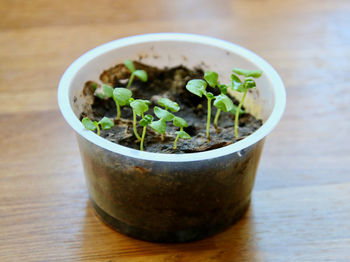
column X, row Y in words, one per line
column 169, row 83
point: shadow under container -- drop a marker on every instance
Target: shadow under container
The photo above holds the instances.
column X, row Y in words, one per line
column 171, row 197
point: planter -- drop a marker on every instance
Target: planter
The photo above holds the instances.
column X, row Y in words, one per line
column 171, row 197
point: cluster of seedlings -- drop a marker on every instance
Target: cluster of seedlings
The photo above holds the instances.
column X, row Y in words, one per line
column 166, row 109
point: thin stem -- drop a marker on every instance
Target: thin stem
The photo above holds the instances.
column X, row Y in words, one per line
column 130, row 80
column 134, row 125
column 118, row 109
column 208, row 119
column 97, row 128
column 143, row 137
column 237, row 113
column 216, row 119
column 177, row 138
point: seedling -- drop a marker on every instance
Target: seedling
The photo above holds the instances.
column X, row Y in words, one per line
column 243, row 86
column 141, row 74
column 139, row 107
column 145, row 121
column 105, row 123
column 164, row 115
column 222, row 102
column 120, row 96
column 198, row 87
column 180, row 122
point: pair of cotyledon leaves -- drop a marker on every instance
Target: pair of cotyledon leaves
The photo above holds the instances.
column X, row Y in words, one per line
column 141, row 74
column 141, row 106
column 222, row 101
column 105, row 122
column 198, row 87
column 160, row 125
column 249, row 82
column 164, row 116
column 119, row 94
column 122, row 95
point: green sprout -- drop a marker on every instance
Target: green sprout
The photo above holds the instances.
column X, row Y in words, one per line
column 139, row 107
column 180, row 122
column 222, row 102
column 242, row 86
column 160, row 125
column 164, row 115
column 141, row 74
column 120, row 96
column 105, row 123
column 145, row 121
column 197, row 87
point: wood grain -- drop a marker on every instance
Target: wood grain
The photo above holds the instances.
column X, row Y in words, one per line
column 301, row 201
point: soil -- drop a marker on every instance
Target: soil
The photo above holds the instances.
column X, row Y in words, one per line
column 170, row 83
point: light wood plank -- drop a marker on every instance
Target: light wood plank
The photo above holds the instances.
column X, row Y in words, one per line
column 301, row 200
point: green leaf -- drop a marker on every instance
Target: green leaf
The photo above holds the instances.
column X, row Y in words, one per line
column 106, row 123
column 223, row 89
column 234, row 109
column 209, row 95
column 183, row 134
column 142, row 75
column 159, row 126
column 224, row 103
column 139, row 106
column 130, row 65
column 249, row 83
column 122, row 95
column 247, row 73
column 107, row 90
column 167, row 103
column 146, row 120
column 179, row 122
column 236, row 83
column 88, row 124
column 196, row 86
column 161, row 113
column 212, row 78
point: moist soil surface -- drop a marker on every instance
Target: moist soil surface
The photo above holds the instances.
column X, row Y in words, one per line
column 169, row 83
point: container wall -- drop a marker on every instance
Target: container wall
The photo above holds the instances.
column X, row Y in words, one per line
column 147, row 196
column 163, row 201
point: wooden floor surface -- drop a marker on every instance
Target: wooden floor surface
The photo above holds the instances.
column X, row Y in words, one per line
column 301, row 201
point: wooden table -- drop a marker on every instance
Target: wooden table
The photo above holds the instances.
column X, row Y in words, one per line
column 301, row 202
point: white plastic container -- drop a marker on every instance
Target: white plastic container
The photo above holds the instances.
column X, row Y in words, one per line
column 171, row 197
